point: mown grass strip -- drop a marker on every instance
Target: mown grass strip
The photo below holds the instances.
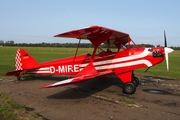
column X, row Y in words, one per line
column 7, row 113
column 10, row 110
column 126, row 100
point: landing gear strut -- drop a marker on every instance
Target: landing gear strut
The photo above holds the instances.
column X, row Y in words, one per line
column 135, row 79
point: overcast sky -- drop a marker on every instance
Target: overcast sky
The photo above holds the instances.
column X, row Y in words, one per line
column 37, row 21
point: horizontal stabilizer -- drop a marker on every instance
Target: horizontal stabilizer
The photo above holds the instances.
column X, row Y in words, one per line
column 15, row 73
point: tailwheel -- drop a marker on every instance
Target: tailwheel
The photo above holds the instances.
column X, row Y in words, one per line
column 136, row 81
column 18, row 78
column 129, row 88
column 19, row 75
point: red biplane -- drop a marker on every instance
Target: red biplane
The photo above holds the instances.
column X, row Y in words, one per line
column 122, row 62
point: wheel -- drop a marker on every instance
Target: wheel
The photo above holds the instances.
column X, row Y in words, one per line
column 136, row 81
column 129, row 88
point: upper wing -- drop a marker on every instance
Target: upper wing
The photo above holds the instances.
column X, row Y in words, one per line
column 78, row 79
column 91, row 32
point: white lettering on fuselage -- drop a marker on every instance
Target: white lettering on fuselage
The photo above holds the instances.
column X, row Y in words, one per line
column 64, row 68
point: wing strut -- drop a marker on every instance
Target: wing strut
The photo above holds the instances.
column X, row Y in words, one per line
column 77, row 49
column 129, row 40
column 134, row 43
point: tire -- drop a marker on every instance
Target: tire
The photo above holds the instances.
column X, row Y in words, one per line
column 129, row 88
column 136, row 81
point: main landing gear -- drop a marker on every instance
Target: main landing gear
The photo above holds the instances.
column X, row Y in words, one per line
column 130, row 87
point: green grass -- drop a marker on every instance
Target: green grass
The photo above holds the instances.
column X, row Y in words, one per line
column 126, row 100
column 10, row 110
column 42, row 54
column 7, row 113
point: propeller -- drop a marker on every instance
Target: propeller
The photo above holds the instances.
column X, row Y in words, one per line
column 166, row 51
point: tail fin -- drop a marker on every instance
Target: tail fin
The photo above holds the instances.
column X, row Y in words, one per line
column 24, row 60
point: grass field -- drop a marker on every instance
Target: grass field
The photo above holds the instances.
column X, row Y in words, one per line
column 10, row 110
column 42, row 54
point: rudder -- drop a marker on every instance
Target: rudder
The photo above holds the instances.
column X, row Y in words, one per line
column 24, row 60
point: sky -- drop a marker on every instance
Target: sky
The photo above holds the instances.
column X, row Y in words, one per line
column 37, row 21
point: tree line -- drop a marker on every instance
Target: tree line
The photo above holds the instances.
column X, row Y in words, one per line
column 70, row 45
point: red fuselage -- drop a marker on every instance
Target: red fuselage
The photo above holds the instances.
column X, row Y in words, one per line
column 124, row 60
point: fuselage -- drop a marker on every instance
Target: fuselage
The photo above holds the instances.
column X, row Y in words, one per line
column 124, row 60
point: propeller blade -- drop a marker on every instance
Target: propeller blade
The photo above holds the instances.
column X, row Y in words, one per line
column 165, row 42
column 167, row 62
column 166, row 51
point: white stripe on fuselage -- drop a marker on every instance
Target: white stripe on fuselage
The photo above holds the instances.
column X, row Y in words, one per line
column 132, row 57
column 137, row 62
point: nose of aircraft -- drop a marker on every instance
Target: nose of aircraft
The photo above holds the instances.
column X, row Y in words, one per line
column 168, row 50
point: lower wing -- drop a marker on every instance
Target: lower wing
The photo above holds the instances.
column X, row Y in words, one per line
column 78, row 79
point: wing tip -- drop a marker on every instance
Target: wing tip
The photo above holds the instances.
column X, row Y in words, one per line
column 42, row 87
column 46, row 86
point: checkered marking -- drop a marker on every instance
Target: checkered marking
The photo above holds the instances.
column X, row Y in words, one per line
column 18, row 63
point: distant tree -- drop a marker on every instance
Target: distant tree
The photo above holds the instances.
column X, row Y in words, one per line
column 146, row 45
column 158, row 46
column 1, row 42
column 44, row 44
column 10, row 42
